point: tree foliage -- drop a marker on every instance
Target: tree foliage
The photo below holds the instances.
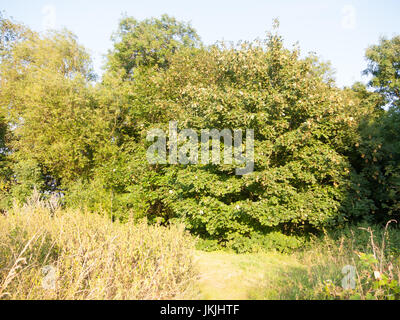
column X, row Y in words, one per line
column 323, row 155
column 384, row 68
column 150, row 42
column 378, row 156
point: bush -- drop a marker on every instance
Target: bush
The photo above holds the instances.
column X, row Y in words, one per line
column 273, row 241
column 208, row 245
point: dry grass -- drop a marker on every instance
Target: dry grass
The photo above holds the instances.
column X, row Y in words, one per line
column 231, row 276
column 86, row 256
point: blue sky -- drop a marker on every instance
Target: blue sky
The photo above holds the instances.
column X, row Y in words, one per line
column 336, row 30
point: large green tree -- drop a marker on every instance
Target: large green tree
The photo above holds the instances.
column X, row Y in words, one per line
column 305, row 131
column 150, row 42
column 48, row 102
column 11, row 34
column 379, row 148
column 384, row 68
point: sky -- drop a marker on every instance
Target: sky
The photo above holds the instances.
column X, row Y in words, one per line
column 338, row 31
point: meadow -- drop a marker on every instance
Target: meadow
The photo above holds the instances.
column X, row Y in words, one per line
column 51, row 253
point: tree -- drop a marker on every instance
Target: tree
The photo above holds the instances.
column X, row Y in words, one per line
column 384, row 67
column 378, row 158
column 150, row 42
column 10, row 34
column 304, row 130
column 47, row 100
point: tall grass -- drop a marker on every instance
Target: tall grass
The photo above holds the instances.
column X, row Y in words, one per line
column 50, row 253
column 318, row 270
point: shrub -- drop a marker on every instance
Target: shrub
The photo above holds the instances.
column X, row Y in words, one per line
column 272, row 241
column 208, row 245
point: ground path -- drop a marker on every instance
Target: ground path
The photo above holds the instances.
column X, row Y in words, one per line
column 229, row 276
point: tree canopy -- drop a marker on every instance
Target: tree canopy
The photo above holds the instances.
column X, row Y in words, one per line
column 321, row 152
